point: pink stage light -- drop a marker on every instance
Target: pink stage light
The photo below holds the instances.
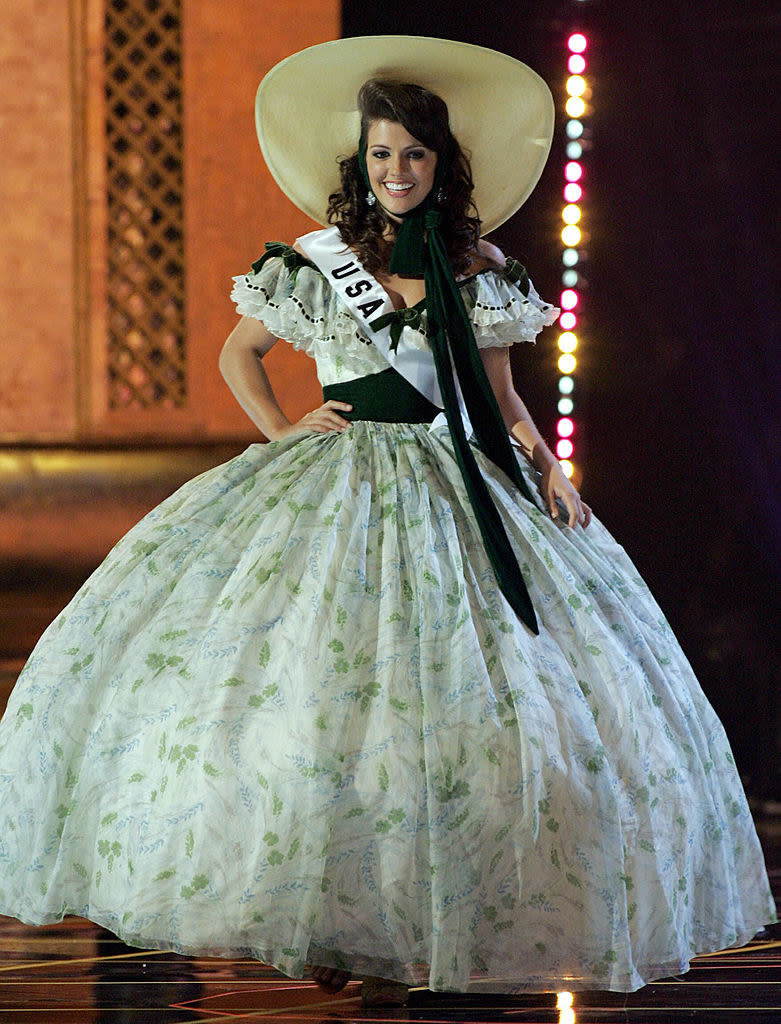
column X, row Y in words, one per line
column 577, row 42
column 573, row 171
column 572, row 192
column 565, row 428
column 568, row 321
column 564, row 448
column 576, row 65
column 569, row 299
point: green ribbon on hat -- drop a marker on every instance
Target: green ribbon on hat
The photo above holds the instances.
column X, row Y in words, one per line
column 420, row 251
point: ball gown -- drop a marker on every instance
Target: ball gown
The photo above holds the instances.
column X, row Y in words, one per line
column 292, row 717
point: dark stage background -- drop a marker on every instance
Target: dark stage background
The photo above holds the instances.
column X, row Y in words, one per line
column 678, row 369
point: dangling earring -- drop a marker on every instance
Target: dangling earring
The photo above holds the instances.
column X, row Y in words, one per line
column 441, row 195
column 371, row 199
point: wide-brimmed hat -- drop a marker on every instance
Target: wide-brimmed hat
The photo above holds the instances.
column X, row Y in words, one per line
column 501, row 112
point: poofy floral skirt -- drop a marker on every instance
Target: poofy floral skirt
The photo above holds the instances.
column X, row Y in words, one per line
column 291, row 717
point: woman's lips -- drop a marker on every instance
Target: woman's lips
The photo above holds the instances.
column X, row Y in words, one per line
column 396, row 189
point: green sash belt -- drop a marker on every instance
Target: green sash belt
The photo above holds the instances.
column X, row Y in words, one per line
column 384, row 397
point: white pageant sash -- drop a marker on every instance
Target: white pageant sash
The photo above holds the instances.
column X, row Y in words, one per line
column 366, row 300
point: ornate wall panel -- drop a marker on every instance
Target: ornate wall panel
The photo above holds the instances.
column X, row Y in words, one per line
column 134, row 327
column 188, row 203
column 147, row 353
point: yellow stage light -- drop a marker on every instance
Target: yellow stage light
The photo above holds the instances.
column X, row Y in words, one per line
column 576, row 85
column 568, row 342
column 575, row 107
column 571, row 213
column 567, row 363
column 570, row 235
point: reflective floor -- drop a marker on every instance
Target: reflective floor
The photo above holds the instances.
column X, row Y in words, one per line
column 75, row 972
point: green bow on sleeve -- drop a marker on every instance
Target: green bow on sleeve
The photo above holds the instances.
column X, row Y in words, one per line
column 516, row 273
column 292, row 260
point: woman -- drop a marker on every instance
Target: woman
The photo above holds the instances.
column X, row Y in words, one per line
column 361, row 698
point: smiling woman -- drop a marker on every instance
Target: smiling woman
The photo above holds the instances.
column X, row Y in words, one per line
column 408, row 161
column 400, row 168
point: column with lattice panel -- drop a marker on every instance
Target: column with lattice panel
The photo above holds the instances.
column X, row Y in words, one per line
column 145, row 200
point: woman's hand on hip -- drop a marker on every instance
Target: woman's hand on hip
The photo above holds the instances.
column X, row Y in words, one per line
column 322, row 420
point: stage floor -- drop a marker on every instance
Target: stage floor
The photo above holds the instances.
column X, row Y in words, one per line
column 75, row 972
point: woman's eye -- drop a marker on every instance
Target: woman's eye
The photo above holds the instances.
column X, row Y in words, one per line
column 380, row 154
column 417, row 154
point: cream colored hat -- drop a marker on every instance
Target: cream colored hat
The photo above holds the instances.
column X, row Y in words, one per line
column 500, row 111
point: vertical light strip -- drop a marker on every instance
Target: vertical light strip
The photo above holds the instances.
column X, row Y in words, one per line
column 564, row 1001
column 573, row 255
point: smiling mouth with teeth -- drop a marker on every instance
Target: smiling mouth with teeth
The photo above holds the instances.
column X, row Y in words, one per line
column 397, row 188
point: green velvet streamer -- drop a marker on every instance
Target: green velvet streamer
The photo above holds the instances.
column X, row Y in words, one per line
column 454, row 348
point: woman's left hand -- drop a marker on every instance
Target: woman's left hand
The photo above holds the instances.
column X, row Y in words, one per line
column 554, row 484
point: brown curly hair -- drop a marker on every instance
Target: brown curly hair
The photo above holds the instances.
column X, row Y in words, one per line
column 425, row 117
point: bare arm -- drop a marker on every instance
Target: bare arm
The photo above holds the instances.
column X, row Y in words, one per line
column 241, row 366
column 519, row 423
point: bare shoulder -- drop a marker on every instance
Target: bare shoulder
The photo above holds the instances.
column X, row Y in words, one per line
column 486, row 257
column 297, row 247
column 491, row 253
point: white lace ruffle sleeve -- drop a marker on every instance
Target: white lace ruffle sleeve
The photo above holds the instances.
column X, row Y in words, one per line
column 296, row 303
column 293, row 303
column 501, row 314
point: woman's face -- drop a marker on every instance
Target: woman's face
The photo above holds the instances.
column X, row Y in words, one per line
column 401, row 169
